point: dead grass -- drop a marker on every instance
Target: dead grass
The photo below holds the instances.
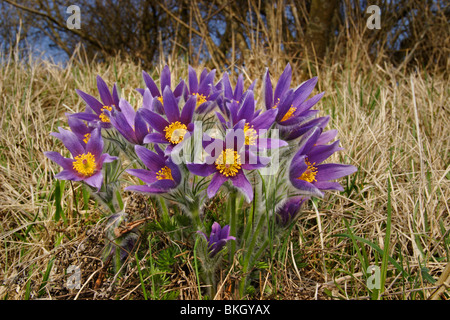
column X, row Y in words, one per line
column 394, row 126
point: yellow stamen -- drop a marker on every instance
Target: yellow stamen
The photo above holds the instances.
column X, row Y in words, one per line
column 160, row 99
column 250, row 135
column 164, row 173
column 103, row 117
column 310, row 174
column 228, row 163
column 85, row 164
column 200, row 99
column 289, row 114
column 276, row 104
column 87, row 136
column 175, row 132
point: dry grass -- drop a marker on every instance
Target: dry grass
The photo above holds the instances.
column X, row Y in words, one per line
column 394, row 126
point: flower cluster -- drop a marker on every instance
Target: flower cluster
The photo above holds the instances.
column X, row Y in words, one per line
column 244, row 136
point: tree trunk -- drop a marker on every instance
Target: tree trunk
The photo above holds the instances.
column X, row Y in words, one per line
column 319, row 27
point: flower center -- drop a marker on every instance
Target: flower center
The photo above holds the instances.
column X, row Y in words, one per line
column 103, row 117
column 228, row 163
column 85, row 164
column 250, row 135
column 310, row 173
column 160, row 99
column 175, row 132
column 200, row 98
column 87, row 136
column 164, row 173
column 289, row 114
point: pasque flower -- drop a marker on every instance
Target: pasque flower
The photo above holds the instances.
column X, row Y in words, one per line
column 205, row 90
column 157, row 93
column 173, row 130
column 227, row 160
column 82, row 130
column 255, row 122
column 217, row 239
column 87, row 161
column 289, row 210
column 229, row 95
column 130, row 123
column 95, row 110
column 293, row 108
column 162, row 174
column 308, row 174
column 298, row 131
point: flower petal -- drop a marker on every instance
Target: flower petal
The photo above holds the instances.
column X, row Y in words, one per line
column 331, row 171
column 115, row 95
column 307, row 188
column 188, row 110
column 201, row 169
column 265, row 120
column 154, row 120
column 165, row 78
column 145, row 189
column 95, row 144
column 304, row 91
column 59, row 159
column 284, row 82
column 170, row 106
column 151, row 85
column 148, row 100
column 68, row 175
column 241, row 182
column 146, row 176
column 104, row 92
column 86, row 116
column 268, row 91
column 327, row 136
column 247, row 107
column 91, row 101
column 141, row 128
column 70, row 141
column 105, row 158
column 155, row 137
column 308, row 104
column 121, row 124
column 150, row 159
column 206, row 84
column 128, row 111
column 320, row 153
column 95, row 180
column 215, row 184
column 193, row 81
column 327, row 185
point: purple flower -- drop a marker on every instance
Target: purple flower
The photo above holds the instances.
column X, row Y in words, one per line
column 129, row 123
column 95, row 110
column 292, row 134
column 81, row 130
column 308, row 174
column 173, row 130
column 205, row 90
column 165, row 81
column 255, row 122
column 293, row 108
column 87, row 161
column 226, row 160
column 229, row 95
column 290, row 209
column 218, row 238
column 162, row 175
